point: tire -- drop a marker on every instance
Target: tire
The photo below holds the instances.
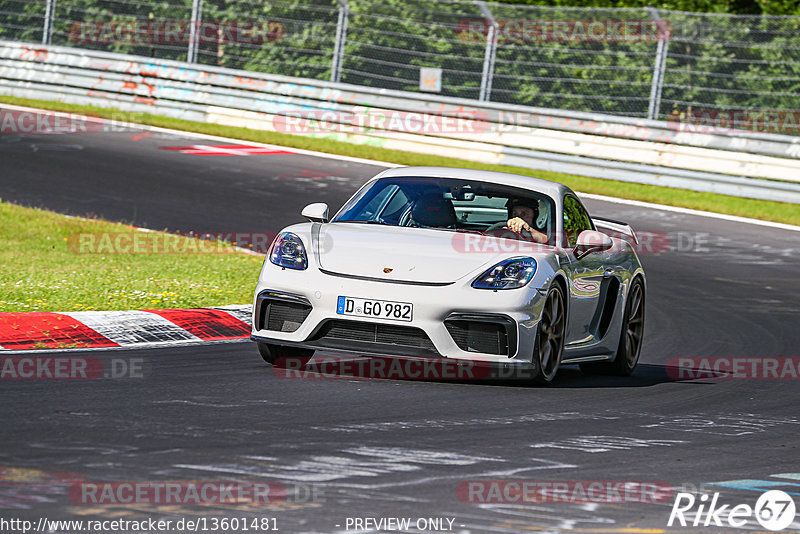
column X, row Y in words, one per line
column 549, row 345
column 630, row 340
column 273, row 353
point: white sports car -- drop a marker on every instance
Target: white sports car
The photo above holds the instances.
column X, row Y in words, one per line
column 429, row 262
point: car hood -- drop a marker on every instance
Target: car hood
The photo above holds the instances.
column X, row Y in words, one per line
column 410, row 254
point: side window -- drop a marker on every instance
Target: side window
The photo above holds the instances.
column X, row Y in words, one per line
column 395, row 208
column 576, row 220
column 370, row 210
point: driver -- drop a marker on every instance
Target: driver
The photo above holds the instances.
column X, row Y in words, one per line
column 521, row 216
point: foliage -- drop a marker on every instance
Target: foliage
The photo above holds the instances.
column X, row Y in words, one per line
column 714, row 60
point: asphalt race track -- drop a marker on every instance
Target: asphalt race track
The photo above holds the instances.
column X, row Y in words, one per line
column 346, row 448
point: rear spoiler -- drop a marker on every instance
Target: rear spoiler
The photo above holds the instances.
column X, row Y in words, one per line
column 616, row 226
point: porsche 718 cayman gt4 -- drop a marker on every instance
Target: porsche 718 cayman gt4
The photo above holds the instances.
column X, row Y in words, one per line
column 427, row 262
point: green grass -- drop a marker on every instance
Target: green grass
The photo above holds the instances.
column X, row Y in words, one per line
column 758, row 209
column 45, row 270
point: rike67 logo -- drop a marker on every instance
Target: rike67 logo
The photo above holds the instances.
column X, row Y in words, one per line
column 774, row 510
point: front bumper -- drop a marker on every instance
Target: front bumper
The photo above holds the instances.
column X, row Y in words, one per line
column 298, row 308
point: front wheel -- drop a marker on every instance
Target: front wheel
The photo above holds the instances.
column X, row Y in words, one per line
column 277, row 354
column 630, row 341
column 549, row 344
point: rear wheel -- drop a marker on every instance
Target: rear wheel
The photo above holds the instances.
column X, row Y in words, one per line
column 273, row 353
column 550, row 336
column 630, row 342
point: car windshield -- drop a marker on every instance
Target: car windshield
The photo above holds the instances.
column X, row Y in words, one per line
column 446, row 204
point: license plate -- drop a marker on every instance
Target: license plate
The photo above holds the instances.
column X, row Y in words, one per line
column 379, row 309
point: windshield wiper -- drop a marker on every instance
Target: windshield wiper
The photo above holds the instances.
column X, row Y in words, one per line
column 371, row 221
column 375, row 221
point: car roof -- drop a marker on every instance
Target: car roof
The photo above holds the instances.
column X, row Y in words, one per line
column 553, row 189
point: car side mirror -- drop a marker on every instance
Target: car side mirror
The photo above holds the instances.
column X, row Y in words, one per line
column 316, row 212
column 592, row 241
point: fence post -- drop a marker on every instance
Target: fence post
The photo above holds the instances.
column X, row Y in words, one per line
column 194, row 34
column 490, row 53
column 659, row 65
column 341, row 37
column 47, row 31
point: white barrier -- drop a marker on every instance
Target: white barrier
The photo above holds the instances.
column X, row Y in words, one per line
column 744, row 164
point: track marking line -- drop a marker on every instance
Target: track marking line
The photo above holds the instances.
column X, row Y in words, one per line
column 689, row 211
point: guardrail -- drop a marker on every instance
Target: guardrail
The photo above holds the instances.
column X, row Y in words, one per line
column 740, row 163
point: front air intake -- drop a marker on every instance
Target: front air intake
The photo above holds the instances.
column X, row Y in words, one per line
column 487, row 334
column 281, row 313
column 375, row 337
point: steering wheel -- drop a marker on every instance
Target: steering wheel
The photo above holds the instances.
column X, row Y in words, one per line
column 502, row 225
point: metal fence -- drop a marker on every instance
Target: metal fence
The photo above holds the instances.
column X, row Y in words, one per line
column 585, row 59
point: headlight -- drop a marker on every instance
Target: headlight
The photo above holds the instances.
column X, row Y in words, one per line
column 508, row 274
column 288, row 251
